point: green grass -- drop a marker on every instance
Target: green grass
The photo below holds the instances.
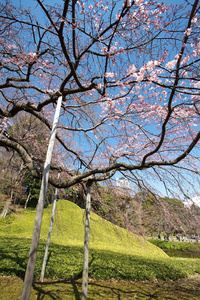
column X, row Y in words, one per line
column 114, row 252
column 68, row 229
column 175, row 245
column 65, row 262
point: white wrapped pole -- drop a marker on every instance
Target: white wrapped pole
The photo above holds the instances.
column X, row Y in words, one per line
column 40, row 207
column 86, row 243
column 49, row 235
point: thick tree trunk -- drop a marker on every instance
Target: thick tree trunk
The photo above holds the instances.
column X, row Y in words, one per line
column 86, row 243
column 38, row 219
column 49, row 235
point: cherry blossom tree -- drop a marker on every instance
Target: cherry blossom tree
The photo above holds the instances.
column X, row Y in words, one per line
column 128, row 73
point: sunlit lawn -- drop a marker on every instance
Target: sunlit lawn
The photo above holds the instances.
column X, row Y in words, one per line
column 122, row 265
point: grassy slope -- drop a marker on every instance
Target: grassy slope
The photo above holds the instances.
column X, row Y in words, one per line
column 68, row 230
column 114, row 253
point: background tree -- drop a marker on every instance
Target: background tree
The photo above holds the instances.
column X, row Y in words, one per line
column 11, row 176
column 165, row 215
column 31, row 187
column 11, row 172
column 16, row 179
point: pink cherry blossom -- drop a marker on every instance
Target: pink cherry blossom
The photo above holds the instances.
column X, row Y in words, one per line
column 171, row 64
column 109, row 74
column 188, row 31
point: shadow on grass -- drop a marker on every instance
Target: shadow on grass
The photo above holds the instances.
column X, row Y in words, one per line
column 14, row 256
column 57, row 290
column 184, row 289
column 65, row 289
column 71, row 289
column 66, row 262
column 54, row 294
column 75, row 288
column 42, row 293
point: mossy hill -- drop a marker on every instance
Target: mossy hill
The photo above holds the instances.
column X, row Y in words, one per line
column 68, row 229
column 114, row 252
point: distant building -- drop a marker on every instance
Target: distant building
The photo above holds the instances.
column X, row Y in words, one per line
column 195, row 200
column 123, row 183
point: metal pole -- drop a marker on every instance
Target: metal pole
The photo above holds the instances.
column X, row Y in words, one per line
column 40, row 207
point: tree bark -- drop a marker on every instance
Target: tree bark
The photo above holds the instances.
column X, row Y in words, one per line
column 40, row 207
column 6, row 208
column 86, row 243
column 27, row 200
column 49, row 235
